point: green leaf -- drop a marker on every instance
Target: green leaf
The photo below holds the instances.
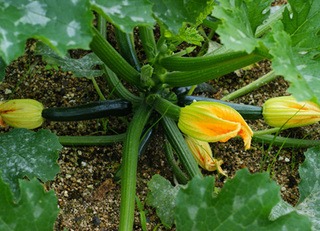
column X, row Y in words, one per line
column 244, row 203
column 35, row 209
column 27, row 153
column 83, row 67
column 173, row 14
column 44, row 20
column 296, row 49
column 162, row 197
column 125, row 14
column 239, row 22
column 309, row 187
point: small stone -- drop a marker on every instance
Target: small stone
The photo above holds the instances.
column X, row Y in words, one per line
column 7, row 91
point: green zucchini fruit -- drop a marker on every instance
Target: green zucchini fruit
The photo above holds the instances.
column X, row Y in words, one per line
column 93, row 110
column 247, row 111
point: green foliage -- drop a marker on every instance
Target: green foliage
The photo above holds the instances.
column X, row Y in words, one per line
column 82, row 67
column 309, row 189
column 125, row 14
column 173, row 14
column 162, row 197
column 239, row 22
column 244, row 203
column 294, row 55
column 29, row 154
column 34, row 210
column 44, row 20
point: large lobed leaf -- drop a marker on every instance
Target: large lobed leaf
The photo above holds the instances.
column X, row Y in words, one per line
column 173, row 14
column 309, row 189
column 162, row 196
column 82, row 67
column 125, row 14
column 25, row 153
column 34, row 210
column 244, row 203
column 293, row 41
column 239, row 22
column 60, row 24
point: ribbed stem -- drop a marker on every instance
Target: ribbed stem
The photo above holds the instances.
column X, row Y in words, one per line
column 179, row 145
column 117, row 87
column 129, row 167
column 180, row 175
column 127, row 48
column 90, row 140
column 286, row 142
column 103, row 49
column 148, row 42
column 163, row 106
column 252, row 86
column 176, row 63
column 188, row 78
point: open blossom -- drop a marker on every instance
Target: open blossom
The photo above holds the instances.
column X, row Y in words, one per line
column 21, row 113
column 287, row 112
column 213, row 122
column 202, row 152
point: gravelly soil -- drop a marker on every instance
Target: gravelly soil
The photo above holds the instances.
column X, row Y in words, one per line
column 87, row 193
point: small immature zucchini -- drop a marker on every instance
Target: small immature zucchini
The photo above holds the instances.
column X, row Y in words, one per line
column 94, row 110
column 247, row 111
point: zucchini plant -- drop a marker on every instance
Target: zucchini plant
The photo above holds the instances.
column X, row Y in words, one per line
column 178, row 51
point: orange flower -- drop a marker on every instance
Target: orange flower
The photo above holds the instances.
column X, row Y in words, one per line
column 287, row 112
column 21, row 113
column 213, row 122
column 202, row 152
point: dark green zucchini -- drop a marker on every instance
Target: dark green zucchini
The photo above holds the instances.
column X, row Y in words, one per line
column 93, row 110
column 247, row 111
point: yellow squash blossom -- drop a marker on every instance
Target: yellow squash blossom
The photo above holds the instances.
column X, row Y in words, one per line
column 21, row 113
column 202, row 152
column 287, row 112
column 213, row 122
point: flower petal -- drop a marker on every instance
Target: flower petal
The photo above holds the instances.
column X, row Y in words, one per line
column 212, row 122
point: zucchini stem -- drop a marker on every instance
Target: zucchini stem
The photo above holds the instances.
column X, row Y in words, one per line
column 129, row 166
column 90, row 140
column 207, row 72
column 179, row 145
column 103, row 49
column 252, row 86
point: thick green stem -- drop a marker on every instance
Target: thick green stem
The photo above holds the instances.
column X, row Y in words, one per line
column 188, row 78
column 176, row 63
column 102, row 25
column 90, row 140
column 117, row 87
column 127, row 48
column 286, row 142
column 129, row 167
column 163, row 106
column 179, row 145
column 148, row 42
column 252, row 86
column 103, row 49
column 180, row 175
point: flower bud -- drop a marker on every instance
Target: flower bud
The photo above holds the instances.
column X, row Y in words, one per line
column 21, row 113
column 287, row 112
column 201, row 151
column 213, row 122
